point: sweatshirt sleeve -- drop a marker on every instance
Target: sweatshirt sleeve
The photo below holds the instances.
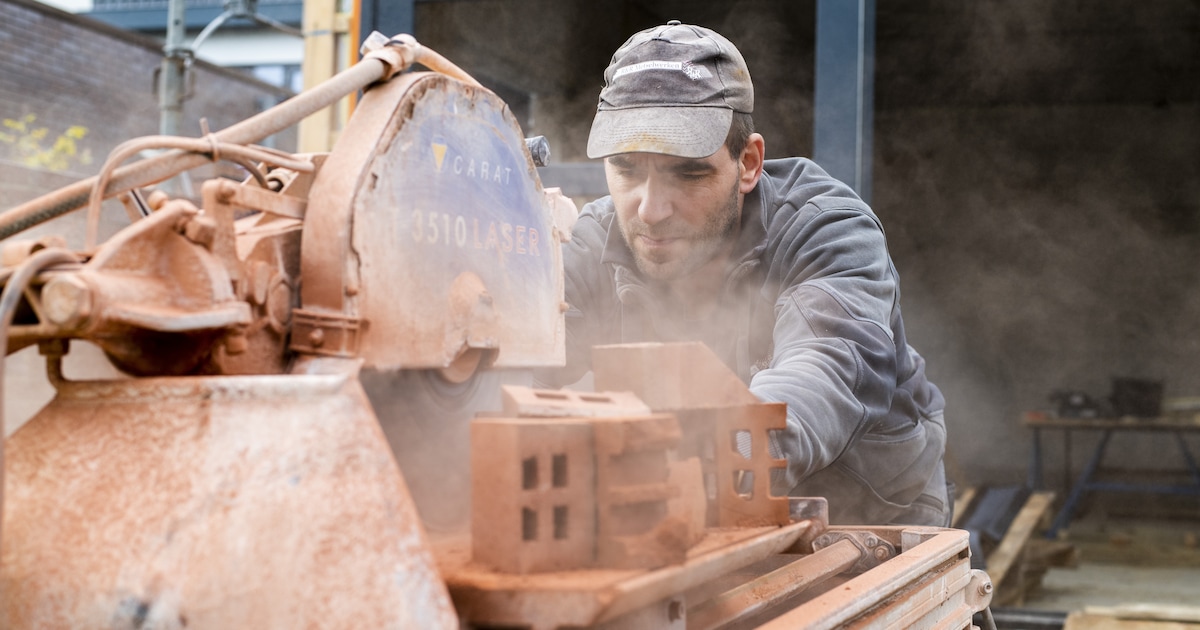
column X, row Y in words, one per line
column 834, row 359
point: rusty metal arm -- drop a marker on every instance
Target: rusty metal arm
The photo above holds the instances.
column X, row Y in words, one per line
column 381, row 63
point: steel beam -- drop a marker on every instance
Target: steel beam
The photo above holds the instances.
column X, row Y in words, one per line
column 844, row 91
column 390, row 17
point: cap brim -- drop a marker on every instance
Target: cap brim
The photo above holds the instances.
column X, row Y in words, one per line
column 690, row 132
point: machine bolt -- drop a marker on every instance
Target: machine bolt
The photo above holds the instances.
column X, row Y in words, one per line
column 67, row 301
column 226, row 191
column 156, row 199
column 881, row 553
column 316, row 337
column 279, row 304
column 201, row 231
column 236, row 343
column 871, row 541
column 985, row 588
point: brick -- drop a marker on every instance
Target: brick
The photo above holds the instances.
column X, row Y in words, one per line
column 69, row 73
column 691, row 504
column 527, row 402
column 751, row 504
column 635, row 525
column 564, row 493
column 669, row 376
column 532, row 499
column 707, row 436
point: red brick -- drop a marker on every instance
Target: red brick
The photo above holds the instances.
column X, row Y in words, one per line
column 532, row 499
column 526, row 402
column 669, row 376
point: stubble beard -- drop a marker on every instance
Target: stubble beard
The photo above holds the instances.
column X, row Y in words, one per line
column 702, row 244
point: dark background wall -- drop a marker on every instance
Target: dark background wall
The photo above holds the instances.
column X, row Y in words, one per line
column 1037, row 167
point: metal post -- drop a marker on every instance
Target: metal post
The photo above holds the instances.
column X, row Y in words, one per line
column 845, row 88
column 174, row 65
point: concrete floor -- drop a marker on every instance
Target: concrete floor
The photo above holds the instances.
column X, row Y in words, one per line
column 1127, row 558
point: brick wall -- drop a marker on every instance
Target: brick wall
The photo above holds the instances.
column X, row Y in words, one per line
column 59, row 71
column 65, row 71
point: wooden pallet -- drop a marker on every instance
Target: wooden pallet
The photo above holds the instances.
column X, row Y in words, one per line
column 1018, row 562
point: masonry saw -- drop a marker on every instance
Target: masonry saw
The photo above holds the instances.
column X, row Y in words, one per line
column 302, row 352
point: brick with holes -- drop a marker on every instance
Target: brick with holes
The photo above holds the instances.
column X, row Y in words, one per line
column 713, row 407
column 557, row 494
column 533, row 504
column 744, row 466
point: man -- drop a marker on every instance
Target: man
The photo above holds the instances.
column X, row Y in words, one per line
column 782, row 270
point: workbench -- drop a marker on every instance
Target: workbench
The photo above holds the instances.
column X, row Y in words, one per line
column 1087, row 481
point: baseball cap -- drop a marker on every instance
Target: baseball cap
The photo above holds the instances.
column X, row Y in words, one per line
column 670, row 89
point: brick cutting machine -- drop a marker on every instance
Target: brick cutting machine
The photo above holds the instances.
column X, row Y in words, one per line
column 240, row 475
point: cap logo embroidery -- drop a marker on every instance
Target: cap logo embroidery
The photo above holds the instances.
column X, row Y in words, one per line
column 693, row 71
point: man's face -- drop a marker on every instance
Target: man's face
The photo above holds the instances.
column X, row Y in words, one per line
column 676, row 214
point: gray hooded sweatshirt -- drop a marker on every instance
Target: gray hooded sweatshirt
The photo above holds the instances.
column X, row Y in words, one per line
column 809, row 315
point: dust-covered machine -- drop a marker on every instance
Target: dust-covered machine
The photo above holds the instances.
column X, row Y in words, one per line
column 241, row 476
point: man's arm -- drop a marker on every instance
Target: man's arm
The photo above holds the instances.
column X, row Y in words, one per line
column 834, row 359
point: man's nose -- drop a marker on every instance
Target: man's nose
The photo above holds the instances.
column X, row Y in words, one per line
column 656, row 202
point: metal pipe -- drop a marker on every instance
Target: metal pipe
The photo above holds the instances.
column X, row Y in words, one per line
column 174, row 66
column 209, row 29
column 205, row 146
column 761, row 593
column 380, row 64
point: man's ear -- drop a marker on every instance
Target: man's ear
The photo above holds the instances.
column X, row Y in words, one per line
column 751, row 163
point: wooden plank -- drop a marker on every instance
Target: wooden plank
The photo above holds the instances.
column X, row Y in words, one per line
column 1149, row 612
column 1002, row 560
column 1091, row 621
column 962, row 505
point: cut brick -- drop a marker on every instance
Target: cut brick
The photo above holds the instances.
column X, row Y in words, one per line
column 669, row 376
column 635, row 527
column 744, row 483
